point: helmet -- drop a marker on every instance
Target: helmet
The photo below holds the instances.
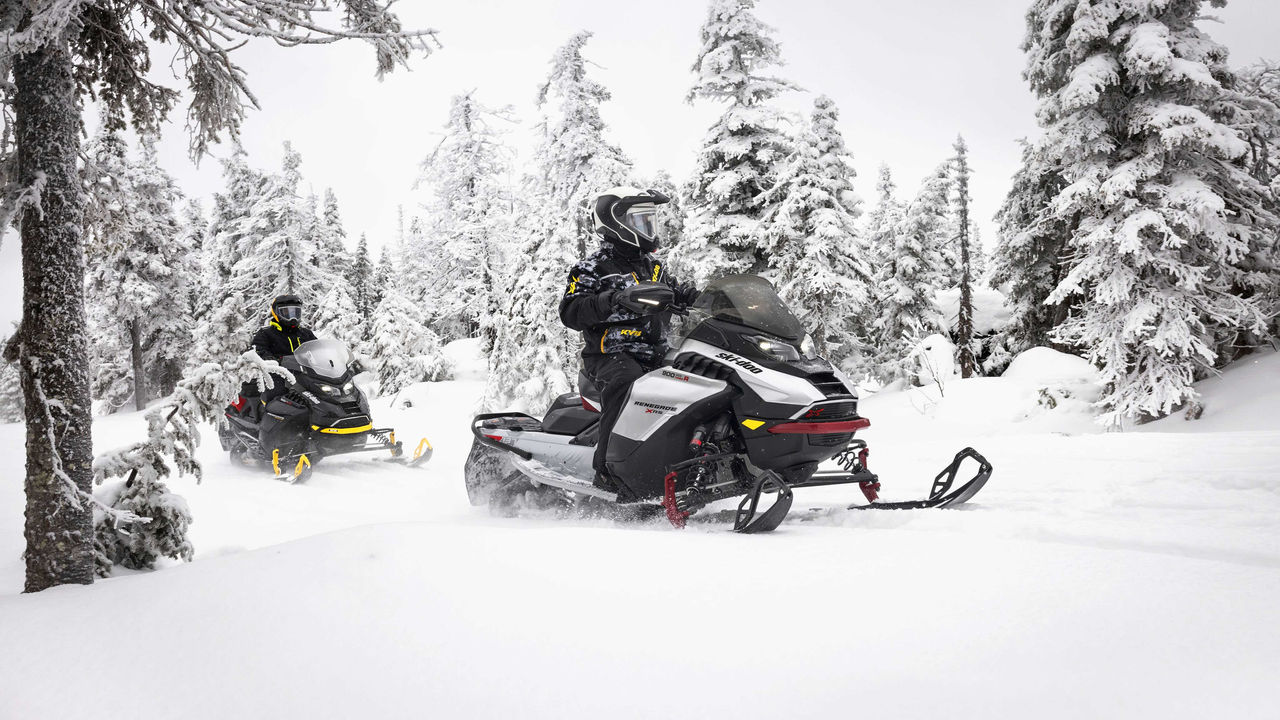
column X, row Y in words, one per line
column 628, row 217
column 287, row 311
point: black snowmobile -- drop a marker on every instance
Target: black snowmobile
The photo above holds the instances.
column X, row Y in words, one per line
column 744, row 407
column 322, row 413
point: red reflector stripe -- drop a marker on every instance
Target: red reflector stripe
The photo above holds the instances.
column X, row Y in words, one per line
column 495, row 438
column 821, row 428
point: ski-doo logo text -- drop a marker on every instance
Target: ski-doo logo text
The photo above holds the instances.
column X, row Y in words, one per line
column 675, row 376
column 741, row 362
column 655, row 409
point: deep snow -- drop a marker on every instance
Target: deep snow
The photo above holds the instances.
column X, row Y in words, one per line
column 1098, row 575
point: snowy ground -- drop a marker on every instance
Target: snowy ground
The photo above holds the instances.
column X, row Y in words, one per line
column 1098, row 575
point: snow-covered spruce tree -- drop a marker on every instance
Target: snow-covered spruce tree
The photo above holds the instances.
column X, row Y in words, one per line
column 906, row 281
column 1029, row 259
column 51, row 55
column 336, row 317
column 966, row 347
column 810, row 236
column 10, row 393
column 742, row 151
column 138, row 519
column 221, row 333
column 882, row 222
column 334, row 258
column 404, row 349
column 534, row 353
column 384, row 273
column 1162, row 213
column 139, row 261
column 469, row 214
column 360, row 278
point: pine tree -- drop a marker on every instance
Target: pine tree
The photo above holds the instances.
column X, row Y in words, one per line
column 10, row 393
column 360, row 278
column 1161, row 213
column 469, row 222
column 404, row 349
column 140, row 272
column 534, row 353
column 52, row 54
column 1029, row 259
column 811, row 237
column 383, row 273
column 883, row 221
column 743, row 150
column 964, row 334
column 222, row 332
column 333, row 257
column 906, row 281
column 671, row 215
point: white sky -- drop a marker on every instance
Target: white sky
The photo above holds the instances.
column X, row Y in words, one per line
column 907, row 77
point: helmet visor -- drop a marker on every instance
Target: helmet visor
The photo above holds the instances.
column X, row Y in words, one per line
column 289, row 313
column 643, row 219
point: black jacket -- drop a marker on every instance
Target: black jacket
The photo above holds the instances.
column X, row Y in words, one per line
column 274, row 342
column 587, row 305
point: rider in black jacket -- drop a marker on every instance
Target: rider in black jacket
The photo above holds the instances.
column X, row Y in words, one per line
column 623, row 341
column 277, row 339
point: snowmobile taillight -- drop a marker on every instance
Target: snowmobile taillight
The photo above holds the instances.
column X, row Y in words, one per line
column 239, row 403
column 822, row 428
column 495, row 438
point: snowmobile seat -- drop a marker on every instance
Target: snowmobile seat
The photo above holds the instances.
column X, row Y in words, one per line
column 589, row 392
column 567, row 416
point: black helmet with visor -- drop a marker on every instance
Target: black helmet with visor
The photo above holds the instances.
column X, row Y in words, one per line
column 286, row 310
column 628, row 217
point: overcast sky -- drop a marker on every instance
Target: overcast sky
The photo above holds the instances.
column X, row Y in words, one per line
column 907, row 76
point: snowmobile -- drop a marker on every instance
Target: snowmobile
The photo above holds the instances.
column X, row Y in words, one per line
column 742, row 408
column 323, row 413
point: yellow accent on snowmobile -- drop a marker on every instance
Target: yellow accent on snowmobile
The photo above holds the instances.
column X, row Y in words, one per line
column 345, row 431
column 275, row 461
column 753, row 424
column 302, row 462
column 417, row 453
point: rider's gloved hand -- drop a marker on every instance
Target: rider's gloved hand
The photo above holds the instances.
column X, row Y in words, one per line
column 686, row 294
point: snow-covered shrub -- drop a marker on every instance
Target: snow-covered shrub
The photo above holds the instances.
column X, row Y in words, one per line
column 1056, row 380
column 138, row 519
column 11, row 403
column 406, row 350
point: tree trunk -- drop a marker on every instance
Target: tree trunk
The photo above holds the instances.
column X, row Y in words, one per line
column 139, row 372
column 964, row 329
column 59, row 523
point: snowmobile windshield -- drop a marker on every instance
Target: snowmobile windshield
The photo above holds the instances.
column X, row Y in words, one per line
column 644, row 220
column 326, row 358
column 749, row 301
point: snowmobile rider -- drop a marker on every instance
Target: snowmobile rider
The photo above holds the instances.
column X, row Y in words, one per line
column 624, row 338
column 278, row 339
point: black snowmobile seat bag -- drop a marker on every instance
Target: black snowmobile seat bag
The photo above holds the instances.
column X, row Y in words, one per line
column 567, row 416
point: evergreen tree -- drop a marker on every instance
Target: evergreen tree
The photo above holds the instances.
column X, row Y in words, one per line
column 811, row 238
column 1029, row 259
column 671, row 216
column 334, row 258
column 469, row 221
column 336, row 317
column 360, row 278
column 534, row 353
column 140, row 273
column 883, row 221
column 383, row 273
column 10, row 393
column 223, row 333
column 907, row 279
column 964, row 335
column 52, row 55
column 1161, row 212
column 404, row 349
column 743, row 150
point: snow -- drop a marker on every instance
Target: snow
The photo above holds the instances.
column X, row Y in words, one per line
column 1097, row 575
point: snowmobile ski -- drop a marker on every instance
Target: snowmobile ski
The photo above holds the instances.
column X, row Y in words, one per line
column 942, row 496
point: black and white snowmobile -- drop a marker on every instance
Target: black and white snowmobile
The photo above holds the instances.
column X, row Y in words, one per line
column 323, row 413
column 743, row 407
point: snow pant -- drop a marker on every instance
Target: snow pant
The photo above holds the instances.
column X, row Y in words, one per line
column 613, row 375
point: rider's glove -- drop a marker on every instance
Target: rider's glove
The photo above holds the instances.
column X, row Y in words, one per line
column 686, row 294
